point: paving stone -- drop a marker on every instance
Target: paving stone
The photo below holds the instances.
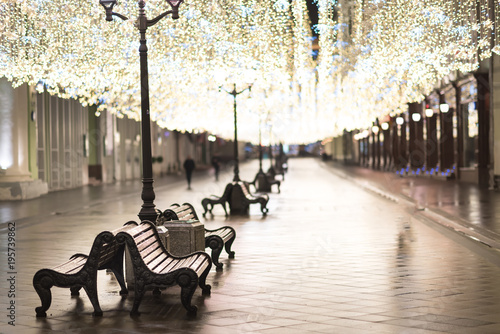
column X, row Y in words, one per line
column 330, row 257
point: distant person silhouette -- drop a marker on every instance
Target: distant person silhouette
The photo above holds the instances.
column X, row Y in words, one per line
column 189, row 167
column 216, row 165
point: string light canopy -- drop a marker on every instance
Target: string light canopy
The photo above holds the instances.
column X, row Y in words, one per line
column 375, row 56
column 73, row 52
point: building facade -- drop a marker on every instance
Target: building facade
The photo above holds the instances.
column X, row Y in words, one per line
column 454, row 133
column 50, row 144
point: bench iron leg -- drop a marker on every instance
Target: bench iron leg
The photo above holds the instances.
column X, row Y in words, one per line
column 263, row 208
column 139, row 290
column 121, row 280
column 75, row 291
column 91, row 290
column 188, row 282
column 205, row 288
column 42, row 285
column 224, row 206
column 204, row 203
column 228, row 245
column 215, row 243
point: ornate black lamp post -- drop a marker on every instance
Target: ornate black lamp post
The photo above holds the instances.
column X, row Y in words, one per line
column 271, row 170
column 260, row 181
column 234, row 93
column 148, row 211
column 260, row 148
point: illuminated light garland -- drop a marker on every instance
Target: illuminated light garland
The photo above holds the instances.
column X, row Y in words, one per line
column 74, row 52
column 375, row 56
column 388, row 53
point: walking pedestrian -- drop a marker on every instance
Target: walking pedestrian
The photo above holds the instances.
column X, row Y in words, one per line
column 189, row 167
column 216, row 165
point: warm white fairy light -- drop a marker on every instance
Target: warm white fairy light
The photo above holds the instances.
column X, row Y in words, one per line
column 395, row 52
column 375, row 56
column 74, row 52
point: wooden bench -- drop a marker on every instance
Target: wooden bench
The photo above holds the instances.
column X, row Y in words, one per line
column 209, row 202
column 264, row 182
column 81, row 271
column 272, row 172
column 155, row 268
column 248, row 198
column 215, row 239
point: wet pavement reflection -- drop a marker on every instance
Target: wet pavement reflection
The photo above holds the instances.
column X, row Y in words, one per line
column 330, row 257
column 466, row 202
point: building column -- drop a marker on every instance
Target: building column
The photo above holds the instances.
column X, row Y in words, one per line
column 403, row 144
column 483, row 144
column 386, row 148
column 495, row 117
column 431, row 141
column 395, row 144
column 367, row 151
column 377, row 145
column 17, row 139
column 417, row 154
column 374, row 150
column 446, row 140
column 460, row 131
column 95, row 146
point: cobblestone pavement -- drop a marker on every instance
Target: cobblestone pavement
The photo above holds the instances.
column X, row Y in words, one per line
column 462, row 207
column 330, row 257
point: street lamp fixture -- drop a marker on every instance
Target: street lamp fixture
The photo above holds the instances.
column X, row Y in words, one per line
column 148, row 211
column 444, row 108
column 235, row 93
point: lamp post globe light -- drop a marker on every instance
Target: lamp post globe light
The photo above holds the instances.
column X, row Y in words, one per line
column 235, row 93
column 147, row 211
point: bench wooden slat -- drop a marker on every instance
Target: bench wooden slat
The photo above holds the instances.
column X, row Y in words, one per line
column 199, row 264
column 168, row 262
column 69, row 269
column 175, row 264
column 143, row 240
column 225, row 236
column 140, row 236
column 152, row 253
column 193, row 262
column 108, row 251
column 159, row 262
column 69, row 265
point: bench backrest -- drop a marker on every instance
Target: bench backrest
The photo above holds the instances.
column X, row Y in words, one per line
column 245, row 190
column 144, row 244
column 180, row 212
column 146, row 249
column 110, row 249
column 227, row 191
